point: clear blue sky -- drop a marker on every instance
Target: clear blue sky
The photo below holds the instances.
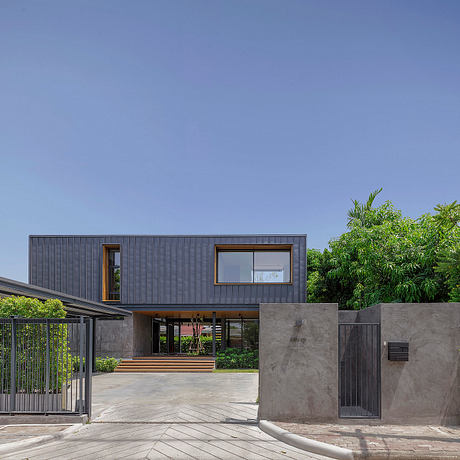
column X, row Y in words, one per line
column 256, row 116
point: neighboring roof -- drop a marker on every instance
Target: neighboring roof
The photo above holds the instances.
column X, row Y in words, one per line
column 169, row 236
column 75, row 306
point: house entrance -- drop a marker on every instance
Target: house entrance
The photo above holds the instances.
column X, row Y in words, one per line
column 359, row 370
column 204, row 336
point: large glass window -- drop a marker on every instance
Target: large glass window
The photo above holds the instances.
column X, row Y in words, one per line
column 253, row 266
column 235, row 267
column 112, row 281
column 272, row 266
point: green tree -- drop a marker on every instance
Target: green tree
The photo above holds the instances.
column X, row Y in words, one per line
column 385, row 257
column 448, row 219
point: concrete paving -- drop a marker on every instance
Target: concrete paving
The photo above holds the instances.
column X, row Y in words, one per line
column 15, row 433
column 178, row 416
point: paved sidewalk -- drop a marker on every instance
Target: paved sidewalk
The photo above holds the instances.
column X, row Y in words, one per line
column 385, row 441
column 14, row 433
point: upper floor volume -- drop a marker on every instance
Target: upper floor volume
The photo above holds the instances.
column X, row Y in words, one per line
column 142, row 270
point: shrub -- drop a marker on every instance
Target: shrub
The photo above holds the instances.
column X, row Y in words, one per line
column 234, row 358
column 106, row 364
column 102, row 364
column 185, row 344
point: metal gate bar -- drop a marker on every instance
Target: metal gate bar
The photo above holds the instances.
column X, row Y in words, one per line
column 46, row 365
column 359, row 370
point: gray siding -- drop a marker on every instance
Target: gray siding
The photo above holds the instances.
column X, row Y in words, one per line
column 157, row 270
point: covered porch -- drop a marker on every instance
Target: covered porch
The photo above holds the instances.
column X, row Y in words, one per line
column 175, row 332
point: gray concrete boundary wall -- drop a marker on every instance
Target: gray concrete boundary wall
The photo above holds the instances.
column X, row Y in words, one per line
column 425, row 389
column 298, row 362
column 368, row 315
column 298, row 376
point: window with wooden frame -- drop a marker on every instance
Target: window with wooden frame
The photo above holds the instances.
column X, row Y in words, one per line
column 111, row 273
column 253, row 264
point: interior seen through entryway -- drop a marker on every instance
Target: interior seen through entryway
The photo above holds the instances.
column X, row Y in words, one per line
column 183, row 336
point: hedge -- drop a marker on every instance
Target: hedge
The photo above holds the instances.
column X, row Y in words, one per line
column 235, row 358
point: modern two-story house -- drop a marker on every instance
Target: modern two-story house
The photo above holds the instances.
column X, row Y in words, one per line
column 168, row 280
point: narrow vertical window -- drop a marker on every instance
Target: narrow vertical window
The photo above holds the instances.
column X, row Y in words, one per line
column 112, row 272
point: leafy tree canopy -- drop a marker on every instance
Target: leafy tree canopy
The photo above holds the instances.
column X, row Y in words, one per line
column 386, row 257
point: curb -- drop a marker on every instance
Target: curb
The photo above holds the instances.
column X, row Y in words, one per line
column 315, row 447
column 15, row 446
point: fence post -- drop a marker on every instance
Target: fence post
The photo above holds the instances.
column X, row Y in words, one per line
column 13, row 366
column 93, row 354
column 88, row 365
column 80, row 405
column 47, row 371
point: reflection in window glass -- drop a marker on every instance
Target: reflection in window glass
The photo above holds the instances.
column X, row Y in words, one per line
column 272, row 266
column 114, row 274
column 235, row 267
column 234, row 339
column 251, row 334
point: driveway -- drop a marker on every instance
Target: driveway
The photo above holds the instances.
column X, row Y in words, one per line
column 179, row 416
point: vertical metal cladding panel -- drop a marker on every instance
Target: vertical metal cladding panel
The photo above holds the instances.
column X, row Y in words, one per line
column 206, row 255
column 168, row 271
column 158, row 270
column 46, row 263
column 141, row 267
column 138, row 293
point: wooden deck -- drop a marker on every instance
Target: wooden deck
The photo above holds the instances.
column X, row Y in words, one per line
column 167, row 364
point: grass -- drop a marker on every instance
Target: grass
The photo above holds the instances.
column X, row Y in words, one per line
column 236, row 370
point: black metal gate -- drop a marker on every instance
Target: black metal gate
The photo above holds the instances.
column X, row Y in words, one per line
column 45, row 365
column 359, row 370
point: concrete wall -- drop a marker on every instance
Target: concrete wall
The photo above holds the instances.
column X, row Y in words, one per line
column 369, row 315
column 425, row 389
column 298, row 365
column 142, row 335
column 124, row 338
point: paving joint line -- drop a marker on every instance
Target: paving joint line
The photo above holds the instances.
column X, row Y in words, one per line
column 253, row 422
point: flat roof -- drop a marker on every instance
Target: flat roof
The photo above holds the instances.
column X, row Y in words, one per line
column 169, row 236
column 75, row 306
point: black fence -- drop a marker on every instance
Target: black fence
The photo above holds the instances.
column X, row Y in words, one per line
column 45, row 365
column 359, row 370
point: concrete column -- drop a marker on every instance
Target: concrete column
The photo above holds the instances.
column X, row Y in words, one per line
column 180, row 337
column 213, row 333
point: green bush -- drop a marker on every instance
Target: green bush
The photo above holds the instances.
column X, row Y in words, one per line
column 185, row 344
column 102, row 364
column 106, row 364
column 34, row 337
column 234, row 358
column 26, row 307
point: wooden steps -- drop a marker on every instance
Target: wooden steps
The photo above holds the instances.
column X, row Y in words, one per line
column 167, row 364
